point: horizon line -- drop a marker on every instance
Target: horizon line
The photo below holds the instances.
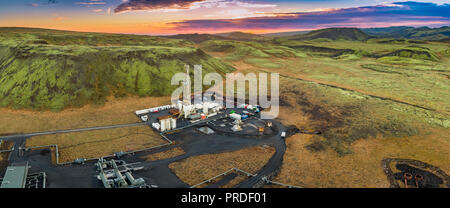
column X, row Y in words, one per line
column 153, row 34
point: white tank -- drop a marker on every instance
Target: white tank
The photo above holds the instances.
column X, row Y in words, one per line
column 174, row 123
column 163, row 125
column 168, row 126
column 205, row 109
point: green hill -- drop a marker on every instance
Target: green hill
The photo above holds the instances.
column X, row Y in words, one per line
column 420, row 33
column 41, row 69
column 354, row 34
column 410, row 55
column 238, row 50
column 197, row 38
column 242, row 36
column 284, row 34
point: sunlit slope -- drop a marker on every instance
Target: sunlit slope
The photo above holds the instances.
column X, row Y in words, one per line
column 43, row 70
column 332, row 34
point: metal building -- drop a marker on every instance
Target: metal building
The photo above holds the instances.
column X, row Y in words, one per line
column 15, row 176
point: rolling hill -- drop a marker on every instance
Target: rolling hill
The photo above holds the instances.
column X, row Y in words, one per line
column 284, row 34
column 353, row 34
column 197, row 38
column 44, row 69
column 243, row 36
column 420, row 33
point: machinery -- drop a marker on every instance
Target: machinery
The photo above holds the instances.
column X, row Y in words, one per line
column 118, row 174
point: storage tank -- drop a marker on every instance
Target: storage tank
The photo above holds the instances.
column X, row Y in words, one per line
column 174, row 123
column 168, row 124
column 163, row 125
column 205, row 108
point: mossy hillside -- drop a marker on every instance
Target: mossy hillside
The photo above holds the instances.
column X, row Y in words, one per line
column 53, row 77
column 243, row 36
column 238, row 50
column 58, row 37
column 353, row 34
column 414, row 52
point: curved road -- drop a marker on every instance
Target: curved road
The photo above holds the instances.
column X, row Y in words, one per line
column 274, row 163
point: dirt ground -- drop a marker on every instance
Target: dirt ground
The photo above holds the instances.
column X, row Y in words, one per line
column 166, row 154
column 362, row 168
column 196, row 169
column 93, row 144
column 115, row 111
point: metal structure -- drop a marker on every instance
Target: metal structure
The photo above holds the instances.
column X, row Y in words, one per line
column 118, row 174
column 244, row 172
column 15, row 176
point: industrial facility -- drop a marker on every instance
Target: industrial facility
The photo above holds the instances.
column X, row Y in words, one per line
column 198, row 128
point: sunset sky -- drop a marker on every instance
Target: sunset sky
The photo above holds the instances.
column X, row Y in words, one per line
column 159, row 17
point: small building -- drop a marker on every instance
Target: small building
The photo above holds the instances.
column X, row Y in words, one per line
column 15, row 176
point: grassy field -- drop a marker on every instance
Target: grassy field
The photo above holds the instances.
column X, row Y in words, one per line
column 86, row 144
column 166, row 154
column 196, row 169
column 115, row 111
column 362, row 168
column 93, row 144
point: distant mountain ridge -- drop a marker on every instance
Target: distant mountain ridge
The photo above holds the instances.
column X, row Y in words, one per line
column 419, row 33
column 196, row 38
column 284, row 34
column 242, row 36
column 350, row 34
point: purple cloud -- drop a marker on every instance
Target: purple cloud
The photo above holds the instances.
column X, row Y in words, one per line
column 139, row 5
column 404, row 13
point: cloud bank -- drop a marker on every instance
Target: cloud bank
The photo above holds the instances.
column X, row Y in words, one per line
column 176, row 5
column 399, row 13
column 141, row 5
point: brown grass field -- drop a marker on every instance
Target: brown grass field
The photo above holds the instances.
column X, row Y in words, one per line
column 362, row 168
column 196, row 169
column 240, row 178
column 86, row 144
column 98, row 143
column 115, row 111
column 166, row 154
